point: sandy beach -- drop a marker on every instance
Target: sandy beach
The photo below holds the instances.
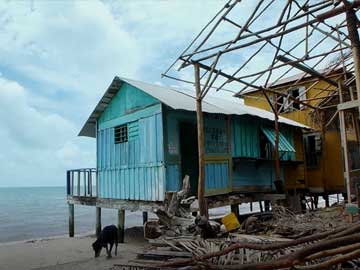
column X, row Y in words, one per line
column 66, row 253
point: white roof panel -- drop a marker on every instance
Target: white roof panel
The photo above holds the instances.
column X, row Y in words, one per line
column 181, row 100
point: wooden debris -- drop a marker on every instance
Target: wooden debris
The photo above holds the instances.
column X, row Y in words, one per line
column 207, row 229
column 152, row 229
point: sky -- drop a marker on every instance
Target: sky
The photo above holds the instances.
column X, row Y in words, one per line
column 58, row 58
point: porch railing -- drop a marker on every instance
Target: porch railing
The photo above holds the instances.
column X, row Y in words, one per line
column 81, row 182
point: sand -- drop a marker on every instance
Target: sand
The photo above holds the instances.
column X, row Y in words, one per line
column 66, row 253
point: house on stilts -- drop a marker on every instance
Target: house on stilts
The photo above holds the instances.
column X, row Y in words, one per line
column 146, row 141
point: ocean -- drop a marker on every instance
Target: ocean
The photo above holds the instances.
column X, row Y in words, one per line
column 28, row 213
column 40, row 212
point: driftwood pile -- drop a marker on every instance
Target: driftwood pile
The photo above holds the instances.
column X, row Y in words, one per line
column 282, row 222
column 317, row 251
column 175, row 219
column 278, row 240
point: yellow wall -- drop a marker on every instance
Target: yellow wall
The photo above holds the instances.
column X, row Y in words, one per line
column 329, row 175
column 295, row 174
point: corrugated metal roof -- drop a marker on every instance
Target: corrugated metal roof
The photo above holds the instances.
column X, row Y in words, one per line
column 284, row 144
column 289, row 79
column 178, row 100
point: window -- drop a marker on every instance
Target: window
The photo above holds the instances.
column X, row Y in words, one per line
column 280, row 104
column 287, row 104
column 295, row 93
column 121, row 134
column 312, row 143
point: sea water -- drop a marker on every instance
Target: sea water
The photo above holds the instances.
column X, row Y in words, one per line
column 40, row 212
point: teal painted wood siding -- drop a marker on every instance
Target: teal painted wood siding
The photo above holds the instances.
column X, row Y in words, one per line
column 173, row 178
column 245, row 137
column 217, row 176
column 249, row 173
column 288, row 132
column 134, row 169
column 128, row 100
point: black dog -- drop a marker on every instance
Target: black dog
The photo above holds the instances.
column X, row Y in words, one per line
column 109, row 235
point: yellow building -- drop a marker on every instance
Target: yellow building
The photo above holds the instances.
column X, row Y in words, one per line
column 321, row 147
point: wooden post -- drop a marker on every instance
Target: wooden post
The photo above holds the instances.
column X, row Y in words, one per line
column 78, row 184
column 235, row 209
column 71, row 220
column 267, row 206
column 344, row 147
column 261, row 207
column 98, row 221
column 351, row 21
column 121, row 225
column 200, row 131
column 278, row 183
column 327, row 202
column 316, row 201
column 145, row 217
column 323, row 154
column 251, row 206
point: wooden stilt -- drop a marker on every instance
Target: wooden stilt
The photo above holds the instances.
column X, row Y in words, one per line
column 261, row 207
column 323, row 151
column 145, row 217
column 316, row 201
column 121, row 225
column 235, row 209
column 267, row 206
column 71, row 220
column 200, row 131
column 327, row 202
column 251, row 206
column 98, row 221
column 312, row 203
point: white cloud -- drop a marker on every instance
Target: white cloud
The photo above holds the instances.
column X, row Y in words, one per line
column 71, row 45
column 58, row 57
column 36, row 148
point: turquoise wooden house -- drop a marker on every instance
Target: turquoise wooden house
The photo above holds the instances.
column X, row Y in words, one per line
column 146, row 141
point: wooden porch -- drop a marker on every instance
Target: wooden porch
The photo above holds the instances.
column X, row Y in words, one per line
column 82, row 189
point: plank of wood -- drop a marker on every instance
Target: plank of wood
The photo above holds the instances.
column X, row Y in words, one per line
column 163, row 254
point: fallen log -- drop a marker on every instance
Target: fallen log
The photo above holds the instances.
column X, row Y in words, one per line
column 332, row 252
column 296, row 257
column 331, row 262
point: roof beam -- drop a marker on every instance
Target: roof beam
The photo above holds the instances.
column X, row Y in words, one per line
column 306, row 69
